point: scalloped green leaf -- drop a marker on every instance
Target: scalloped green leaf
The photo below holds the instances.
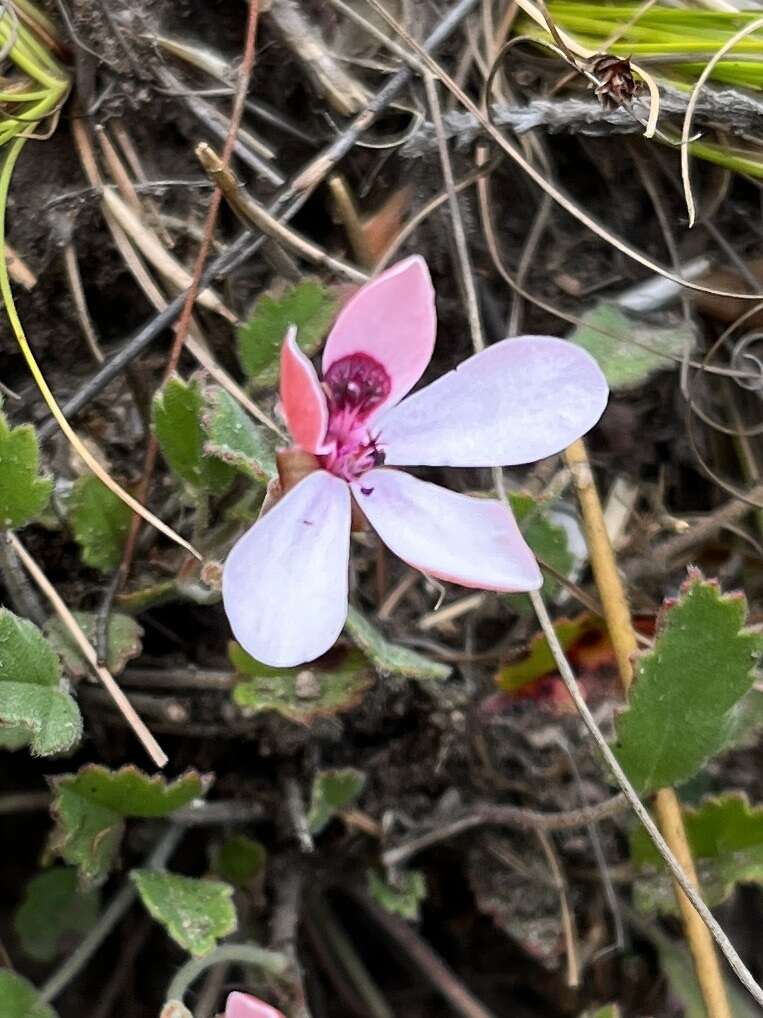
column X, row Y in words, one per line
column 624, row 362
column 196, row 913
column 124, row 641
column 240, row 860
column 334, row 684
column 390, row 658
column 726, row 838
column 233, row 437
column 403, row 897
column 35, row 708
column 686, row 690
column 54, row 913
column 309, row 305
column 90, row 807
column 20, row 999
column 99, row 521
column 177, row 412
column 24, row 493
column 333, row 790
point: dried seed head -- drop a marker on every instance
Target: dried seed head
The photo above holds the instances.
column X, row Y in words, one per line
column 616, row 82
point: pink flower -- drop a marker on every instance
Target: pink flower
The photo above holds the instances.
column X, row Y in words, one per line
column 243, row 1005
column 285, row 581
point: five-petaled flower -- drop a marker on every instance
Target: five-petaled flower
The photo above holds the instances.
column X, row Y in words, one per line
column 244, row 1005
column 285, row 581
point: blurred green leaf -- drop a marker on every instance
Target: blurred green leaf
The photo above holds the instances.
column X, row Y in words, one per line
column 196, row 913
column 608, row 1011
column 100, row 522
column 23, row 492
column 19, row 999
column 309, row 305
column 687, row 688
column 90, row 807
column 35, row 709
column 539, row 660
column 402, row 898
column 54, row 913
column 123, row 641
column 334, row 684
column 547, row 539
column 177, row 413
column 390, row 658
column 726, row 837
column 234, row 438
column 240, row 860
column 624, row 362
column 333, row 791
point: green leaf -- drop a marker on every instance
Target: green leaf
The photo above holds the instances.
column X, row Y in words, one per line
column 19, row 999
column 617, row 348
column 333, row 791
column 402, row 898
column 100, row 522
column 309, row 305
column 726, row 837
column 240, row 860
column 123, row 642
column 23, row 492
column 539, row 660
column 547, row 539
column 390, row 658
column 90, row 807
column 233, row 437
column 35, row 709
column 686, row 689
column 54, row 913
column 177, row 415
column 333, row 685
column 608, row 1011
column 195, row 913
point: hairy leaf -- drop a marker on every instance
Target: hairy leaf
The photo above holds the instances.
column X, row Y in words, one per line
column 309, row 305
column 35, row 709
column 23, row 492
column 90, row 808
column 629, row 351
column 177, row 414
column 687, row 688
column 333, row 791
column 233, row 437
column 403, row 897
column 123, row 641
column 100, row 522
column 195, row 913
column 726, row 837
column 55, row 912
column 390, row 658
column 19, row 999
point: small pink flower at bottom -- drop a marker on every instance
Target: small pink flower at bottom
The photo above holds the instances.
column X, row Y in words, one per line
column 243, row 1005
column 285, row 581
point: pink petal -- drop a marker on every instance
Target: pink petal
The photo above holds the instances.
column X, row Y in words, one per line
column 243, row 1005
column 518, row 401
column 472, row 541
column 285, row 581
column 303, row 401
column 393, row 320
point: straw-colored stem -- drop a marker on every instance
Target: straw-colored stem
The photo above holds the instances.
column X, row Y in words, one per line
column 623, row 637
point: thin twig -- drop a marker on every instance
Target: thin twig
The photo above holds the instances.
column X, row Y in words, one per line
column 126, row 709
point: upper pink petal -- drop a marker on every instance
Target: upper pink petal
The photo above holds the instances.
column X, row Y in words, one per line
column 393, row 320
column 244, row 1005
column 518, row 401
column 303, row 401
column 285, row 581
column 472, row 541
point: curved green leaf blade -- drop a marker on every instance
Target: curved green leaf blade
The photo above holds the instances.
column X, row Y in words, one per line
column 123, row 642
column 195, row 913
column 100, row 522
column 19, row 999
column 333, row 791
column 402, row 898
column 390, row 658
column 233, row 437
column 23, row 492
column 54, row 912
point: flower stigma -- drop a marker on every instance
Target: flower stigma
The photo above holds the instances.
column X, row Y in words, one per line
column 355, row 386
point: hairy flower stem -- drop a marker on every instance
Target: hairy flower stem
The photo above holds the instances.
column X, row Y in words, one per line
column 623, row 637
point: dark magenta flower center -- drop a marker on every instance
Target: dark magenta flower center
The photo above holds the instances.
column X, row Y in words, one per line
column 355, row 386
